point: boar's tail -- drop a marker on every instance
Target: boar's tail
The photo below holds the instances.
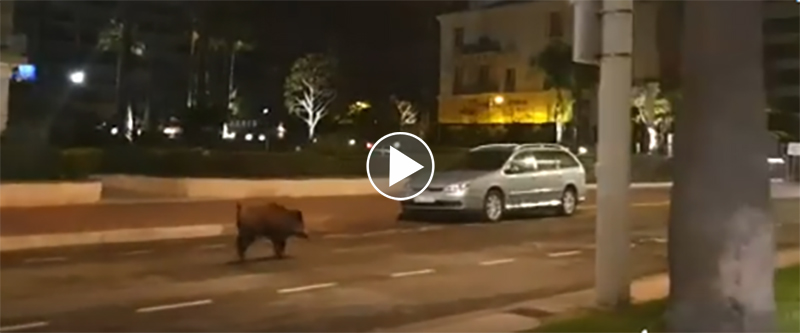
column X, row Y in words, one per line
column 238, row 215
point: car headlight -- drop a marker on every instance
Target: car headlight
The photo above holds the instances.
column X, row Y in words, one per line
column 454, row 188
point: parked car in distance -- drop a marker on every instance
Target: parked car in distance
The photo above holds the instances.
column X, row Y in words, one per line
column 494, row 179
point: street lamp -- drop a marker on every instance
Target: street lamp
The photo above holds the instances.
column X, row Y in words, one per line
column 499, row 99
column 77, row 77
column 281, row 131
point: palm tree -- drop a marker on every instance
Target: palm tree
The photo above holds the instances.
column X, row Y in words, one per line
column 721, row 249
column 562, row 74
column 120, row 37
column 233, row 92
column 556, row 63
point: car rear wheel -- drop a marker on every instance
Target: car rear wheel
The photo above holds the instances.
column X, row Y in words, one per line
column 493, row 206
column 569, row 202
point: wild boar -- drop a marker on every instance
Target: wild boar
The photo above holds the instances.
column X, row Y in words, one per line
column 269, row 220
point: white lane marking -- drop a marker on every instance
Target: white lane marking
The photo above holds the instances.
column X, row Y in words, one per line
column 26, row 326
column 174, row 306
column 412, row 273
column 431, row 228
column 47, row 259
column 212, row 246
column 361, row 249
column 563, row 254
column 659, row 240
column 497, row 262
column 380, row 233
column 535, row 245
column 651, row 204
column 306, row 288
column 340, row 236
column 136, row 253
column 635, row 204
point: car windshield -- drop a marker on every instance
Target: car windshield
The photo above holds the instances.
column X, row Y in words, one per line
column 482, row 160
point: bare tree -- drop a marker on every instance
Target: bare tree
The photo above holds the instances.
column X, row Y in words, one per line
column 721, row 236
column 406, row 110
column 655, row 112
column 309, row 89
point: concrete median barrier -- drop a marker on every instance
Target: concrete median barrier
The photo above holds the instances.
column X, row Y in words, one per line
column 222, row 188
column 26, row 228
column 36, row 194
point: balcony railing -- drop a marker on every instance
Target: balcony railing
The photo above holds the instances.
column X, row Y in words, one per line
column 473, row 89
column 483, row 45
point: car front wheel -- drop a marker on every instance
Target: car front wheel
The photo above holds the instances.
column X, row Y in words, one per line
column 493, row 206
column 569, row 202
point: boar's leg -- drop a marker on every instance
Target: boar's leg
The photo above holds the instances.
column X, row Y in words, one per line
column 278, row 246
column 243, row 241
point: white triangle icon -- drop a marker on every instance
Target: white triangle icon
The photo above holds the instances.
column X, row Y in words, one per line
column 401, row 166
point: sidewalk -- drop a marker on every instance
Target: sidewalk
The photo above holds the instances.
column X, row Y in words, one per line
column 528, row 315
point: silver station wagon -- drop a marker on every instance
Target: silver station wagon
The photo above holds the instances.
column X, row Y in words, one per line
column 494, row 179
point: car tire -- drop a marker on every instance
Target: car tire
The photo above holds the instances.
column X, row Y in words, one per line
column 493, row 206
column 569, row 202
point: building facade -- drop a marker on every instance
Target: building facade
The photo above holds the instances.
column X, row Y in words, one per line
column 487, row 68
column 486, row 54
column 782, row 64
column 12, row 50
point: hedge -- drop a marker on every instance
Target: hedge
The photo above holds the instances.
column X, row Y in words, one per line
column 21, row 164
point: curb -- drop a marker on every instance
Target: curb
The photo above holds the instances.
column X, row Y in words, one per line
column 15, row 243
column 528, row 315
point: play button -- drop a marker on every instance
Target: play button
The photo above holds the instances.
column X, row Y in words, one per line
column 394, row 160
column 401, row 166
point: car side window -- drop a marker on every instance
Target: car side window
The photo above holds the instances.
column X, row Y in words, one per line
column 522, row 162
column 566, row 161
column 547, row 160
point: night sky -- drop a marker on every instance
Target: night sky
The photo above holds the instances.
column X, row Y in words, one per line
column 383, row 47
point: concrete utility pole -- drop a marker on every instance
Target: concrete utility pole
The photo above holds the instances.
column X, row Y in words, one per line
column 604, row 31
column 612, row 263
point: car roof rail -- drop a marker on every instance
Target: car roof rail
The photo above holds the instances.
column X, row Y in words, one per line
column 495, row 145
column 543, row 145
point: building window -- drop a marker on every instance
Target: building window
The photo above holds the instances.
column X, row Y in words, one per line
column 511, row 80
column 458, row 78
column 556, row 25
column 782, row 25
column 789, row 77
column 483, row 75
column 458, row 37
column 781, row 51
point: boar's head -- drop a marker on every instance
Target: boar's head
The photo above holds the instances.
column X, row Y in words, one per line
column 299, row 224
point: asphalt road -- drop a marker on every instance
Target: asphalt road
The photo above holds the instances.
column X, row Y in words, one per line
column 356, row 282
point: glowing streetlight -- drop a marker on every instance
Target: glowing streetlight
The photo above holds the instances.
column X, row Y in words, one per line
column 499, row 99
column 77, row 77
column 248, row 136
column 352, row 142
column 281, row 131
column 262, row 137
column 265, row 111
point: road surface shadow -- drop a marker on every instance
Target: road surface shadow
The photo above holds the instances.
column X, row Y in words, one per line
column 256, row 260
